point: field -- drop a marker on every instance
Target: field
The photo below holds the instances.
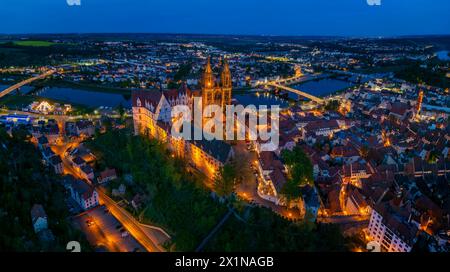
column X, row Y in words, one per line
column 34, row 43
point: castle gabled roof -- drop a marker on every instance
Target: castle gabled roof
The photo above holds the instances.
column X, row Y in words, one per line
column 146, row 98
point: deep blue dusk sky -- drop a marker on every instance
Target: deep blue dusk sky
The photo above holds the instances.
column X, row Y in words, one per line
column 267, row 17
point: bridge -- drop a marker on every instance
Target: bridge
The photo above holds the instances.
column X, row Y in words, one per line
column 26, row 82
column 289, row 89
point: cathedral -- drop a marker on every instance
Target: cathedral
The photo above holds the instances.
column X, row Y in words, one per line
column 212, row 91
column 152, row 116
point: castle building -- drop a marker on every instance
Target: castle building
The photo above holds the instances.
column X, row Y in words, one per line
column 152, row 116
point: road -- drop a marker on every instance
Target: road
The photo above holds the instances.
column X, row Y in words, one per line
column 105, row 231
column 247, row 190
column 130, row 224
column 127, row 220
column 25, row 82
column 344, row 220
column 95, row 235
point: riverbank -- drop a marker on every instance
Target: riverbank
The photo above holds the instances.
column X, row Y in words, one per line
column 84, row 87
column 18, row 102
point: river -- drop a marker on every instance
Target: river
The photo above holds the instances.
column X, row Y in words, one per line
column 88, row 98
column 95, row 99
column 321, row 87
column 23, row 90
column 443, row 55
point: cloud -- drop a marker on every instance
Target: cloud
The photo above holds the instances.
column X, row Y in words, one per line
column 74, row 2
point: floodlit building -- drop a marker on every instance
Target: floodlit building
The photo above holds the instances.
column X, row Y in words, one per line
column 152, row 115
column 391, row 229
column 85, row 195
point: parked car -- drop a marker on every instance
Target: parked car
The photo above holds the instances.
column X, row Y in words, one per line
column 89, row 222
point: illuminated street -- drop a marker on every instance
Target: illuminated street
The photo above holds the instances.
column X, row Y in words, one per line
column 104, row 230
column 247, row 190
column 127, row 220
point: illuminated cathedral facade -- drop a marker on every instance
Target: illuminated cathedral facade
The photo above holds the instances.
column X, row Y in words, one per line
column 152, row 117
column 216, row 92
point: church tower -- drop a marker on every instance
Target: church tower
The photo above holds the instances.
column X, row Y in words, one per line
column 216, row 93
column 208, row 84
column 208, row 77
column 227, row 84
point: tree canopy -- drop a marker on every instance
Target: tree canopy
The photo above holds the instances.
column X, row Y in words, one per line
column 225, row 180
column 24, row 181
column 179, row 202
column 300, row 171
column 332, row 105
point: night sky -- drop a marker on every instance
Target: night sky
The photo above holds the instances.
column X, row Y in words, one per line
column 266, row 17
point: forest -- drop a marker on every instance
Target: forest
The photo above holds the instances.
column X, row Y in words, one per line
column 180, row 203
column 24, row 181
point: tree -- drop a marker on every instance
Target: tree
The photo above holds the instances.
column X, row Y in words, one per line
column 291, row 190
column 365, row 151
column 24, row 181
column 332, row 105
column 121, row 111
column 225, row 181
column 300, row 171
column 173, row 85
column 183, row 72
column 433, row 157
column 241, row 164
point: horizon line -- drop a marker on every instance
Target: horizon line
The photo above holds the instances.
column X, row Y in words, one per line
column 225, row 34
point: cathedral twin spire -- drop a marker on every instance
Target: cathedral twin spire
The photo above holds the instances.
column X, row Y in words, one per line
column 216, row 93
column 209, row 79
column 226, row 75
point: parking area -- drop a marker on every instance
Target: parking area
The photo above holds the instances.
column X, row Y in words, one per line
column 105, row 232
